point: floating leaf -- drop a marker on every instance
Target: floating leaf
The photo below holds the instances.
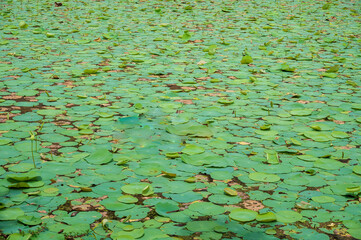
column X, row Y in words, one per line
column 288, row 216
column 295, row 142
column 127, row 199
column 165, row 208
column 192, row 129
column 243, row 215
column 10, row 214
column 225, row 101
column 353, row 189
column 23, row 24
column 323, row 199
column 90, row 71
column 192, row 149
column 355, row 232
column 339, row 134
column 301, row 112
column 246, row 59
column 328, row 164
column 172, row 155
column 19, row 236
column 138, row 188
column 168, row 174
column 266, row 217
column 23, row 177
column 206, row 208
column 265, row 127
column 272, row 157
column 318, row 136
column 230, row 191
column 287, row 68
column 29, row 220
column 333, row 69
column 105, row 115
column 357, row 169
column 100, row 156
column 201, row 226
column 264, row 177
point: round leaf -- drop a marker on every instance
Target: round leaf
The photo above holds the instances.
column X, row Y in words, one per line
column 243, row 215
column 264, row 177
column 29, row 220
column 288, row 216
column 266, row 217
column 100, row 156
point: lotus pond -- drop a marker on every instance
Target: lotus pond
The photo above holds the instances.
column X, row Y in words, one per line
column 180, row 119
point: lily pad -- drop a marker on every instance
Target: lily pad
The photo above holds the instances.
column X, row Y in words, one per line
column 29, row 220
column 206, row 208
column 23, row 177
column 192, row 129
column 192, row 149
column 246, row 59
column 339, row 134
column 10, row 214
column 165, row 208
column 288, row 216
column 127, row 199
column 301, row 112
column 323, row 199
column 100, row 156
column 264, row 177
column 243, row 215
column 266, row 217
column 318, row 136
column 138, row 188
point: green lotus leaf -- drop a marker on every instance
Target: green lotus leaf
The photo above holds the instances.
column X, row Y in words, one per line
column 264, row 177
column 132, row 234
column 100, row 156
column 165, row 208
column 10, row 214
column 355, row 232
column 50, row 112
column 29, row 220
column 19, row 236
column 201, row 226
column 266, row 217
column 138, row 188
column 5, row 141
column 206, row 208
column 301, row 112
column 230, row 192
column 339, row 134
column 323, row 199
column 287, row 68
column 318, row 136
column 90, row 71
column 243, row 215
column 172, row 154
column 127, row 199
column 246, row 59
column 192, row 149
column 288, row 216
column 192, row 129
column 225, row 101
column 357, row 169
column 29, row 184
column 328, row 164
column 23, row 177
column 105, row 115
column 272, row 157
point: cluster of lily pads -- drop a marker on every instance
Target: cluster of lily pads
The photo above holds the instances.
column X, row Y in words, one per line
column 180, row 120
